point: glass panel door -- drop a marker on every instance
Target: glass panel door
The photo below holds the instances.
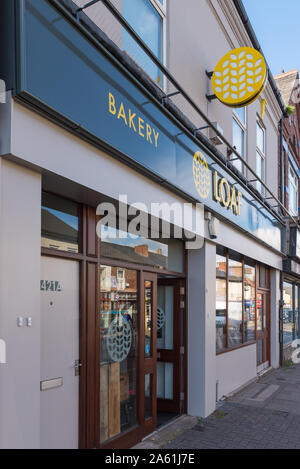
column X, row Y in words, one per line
column 148, row 355
column 119, row 351
column 262, row 322
column 168, row 346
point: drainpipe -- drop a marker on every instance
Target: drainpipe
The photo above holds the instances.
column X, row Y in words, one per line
column 281, row 161
column 281, row 304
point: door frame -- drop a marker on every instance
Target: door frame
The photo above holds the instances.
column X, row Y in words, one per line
column 148, row 365
column 90, row 260
column 264, row 335
column 142, row 429
column 167, row 356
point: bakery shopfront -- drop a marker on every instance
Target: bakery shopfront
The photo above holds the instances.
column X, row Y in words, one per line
column 151, row 329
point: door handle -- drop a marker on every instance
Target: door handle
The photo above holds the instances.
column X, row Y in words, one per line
column 77, row 367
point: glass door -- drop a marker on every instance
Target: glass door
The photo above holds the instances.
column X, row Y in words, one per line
column 119, row 351
column 168, row 346
column 262, row 329
column 148, row 353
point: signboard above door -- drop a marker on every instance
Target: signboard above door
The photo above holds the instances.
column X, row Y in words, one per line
column 66, row 75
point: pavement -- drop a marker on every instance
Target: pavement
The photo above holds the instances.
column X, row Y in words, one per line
column 264, row 415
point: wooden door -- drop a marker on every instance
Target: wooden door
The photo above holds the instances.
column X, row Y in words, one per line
column 168, row 346
column 263, row 320
column 148, row 353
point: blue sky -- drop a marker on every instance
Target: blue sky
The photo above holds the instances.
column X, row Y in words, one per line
column 277, row 25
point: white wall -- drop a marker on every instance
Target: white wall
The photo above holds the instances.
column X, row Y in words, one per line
column 202, row 331
column 231, row 238
column 49, row 147
column 235, row 369
column 20, row 228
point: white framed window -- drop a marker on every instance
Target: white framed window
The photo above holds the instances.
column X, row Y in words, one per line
column 121, row 274
column 148, row 19
column 293, row 191
column 239, row 136
column 260, row 155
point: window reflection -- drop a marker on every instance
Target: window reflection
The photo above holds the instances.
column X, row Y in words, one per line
column 148, row 318
column 119, row 351
column 221, row 272
column 147, row 22
column 235, row 305
column 250, row 303
column 289, row 316
column 260, row 312
column 165, row 317
column 164, row 254
column 60, row 223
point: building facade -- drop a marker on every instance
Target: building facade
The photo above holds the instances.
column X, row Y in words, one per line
column 289, row 171
column 110, row 333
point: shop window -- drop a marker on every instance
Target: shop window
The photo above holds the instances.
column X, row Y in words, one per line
column 221, row 302
column 139, row 13
column 263, row 277
column 235, row 300
column 118, row 351
column 249, row 303
column 290, row 313
column 239, row 136
column 165, row 254
column 60, row 224
column 293, row 192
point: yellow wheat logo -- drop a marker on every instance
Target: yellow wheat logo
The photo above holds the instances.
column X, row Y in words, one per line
column 240, row 77
column 201, row 175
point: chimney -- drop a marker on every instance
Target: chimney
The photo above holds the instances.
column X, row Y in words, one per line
column 142, row 250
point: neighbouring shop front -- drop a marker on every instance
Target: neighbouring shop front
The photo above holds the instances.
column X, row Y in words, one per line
column 290, row 333
column 242, row 305
column 128, row 330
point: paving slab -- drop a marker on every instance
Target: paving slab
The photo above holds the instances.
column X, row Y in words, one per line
column 168, row 433
column 265, row 415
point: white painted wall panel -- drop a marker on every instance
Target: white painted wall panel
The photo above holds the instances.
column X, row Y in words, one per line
column 20, row 228
column 235, row 369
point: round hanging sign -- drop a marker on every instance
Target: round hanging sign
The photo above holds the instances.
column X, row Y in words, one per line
column 240, row 77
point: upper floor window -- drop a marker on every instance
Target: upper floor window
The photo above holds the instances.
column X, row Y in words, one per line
column 293, row 192
column 239, row 135
column 260, row 155
column 147, row 18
